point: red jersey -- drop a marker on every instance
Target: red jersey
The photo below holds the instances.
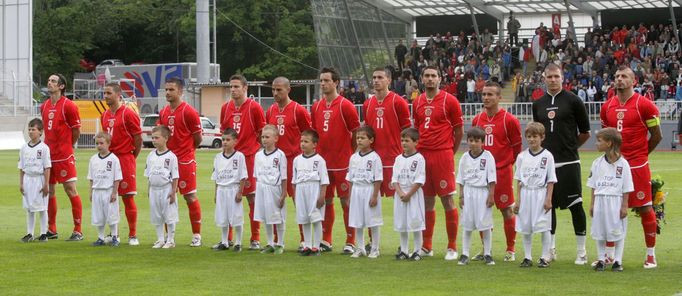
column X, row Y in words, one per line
column 183, row 122
column 59, row 120
column 335, row 123
column 248, row 121
column 502, row 136
column 122, row 126
column 290, row 122
column 437, row 120
column 388, row 119
column 632, row 120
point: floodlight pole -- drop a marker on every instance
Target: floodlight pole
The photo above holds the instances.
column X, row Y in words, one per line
column 672, row 16
column 571, row 26
column 473, row 19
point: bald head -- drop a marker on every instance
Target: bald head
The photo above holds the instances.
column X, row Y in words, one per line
column 281, row 80
column 280, row 90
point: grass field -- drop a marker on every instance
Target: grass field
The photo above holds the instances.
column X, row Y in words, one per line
column 60, row 267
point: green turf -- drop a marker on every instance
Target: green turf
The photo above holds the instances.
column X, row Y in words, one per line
column 60, row 267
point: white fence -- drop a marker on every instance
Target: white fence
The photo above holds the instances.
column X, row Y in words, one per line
column 89, row 128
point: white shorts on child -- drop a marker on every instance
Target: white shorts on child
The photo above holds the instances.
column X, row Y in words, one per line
column 475, row 213
column 606, row 222
column 228, row 212
column 267, row 208
column 306, row 203
column 33, row 200
column 160, row 208
column 361, row 214
column 409, row 216
column 104, row 212
column 532, row 216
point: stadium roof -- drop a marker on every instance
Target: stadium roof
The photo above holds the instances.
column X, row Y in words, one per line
column 498, row 8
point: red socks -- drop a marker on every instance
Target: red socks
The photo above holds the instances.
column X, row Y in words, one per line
column 510, row 233
column 451, row 219
column 52, row 214
column 229, row 234
column 195, row 216
column 255, row 225
column 328, row 222
column 76, row 212
column 131, row 215
column 611, row 244
column 427, row 235
column 649, row 225
column 350, row 231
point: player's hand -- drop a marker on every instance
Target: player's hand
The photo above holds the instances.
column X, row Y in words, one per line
column 489, row 202
column 282, row 200
column 112, row 199
column 373, row 202
column 623, row 212
column 90, row 197
column 171, row 197
column 516, row 208
column 591, row 212
column 320, row 202
column 461, row 202
column 45, row 191
column 21, row 189
column 405, row 197
column 548, row 206
column 238, row 198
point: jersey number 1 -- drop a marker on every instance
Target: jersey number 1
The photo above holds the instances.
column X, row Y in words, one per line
column 380, row 122
column 489, row 140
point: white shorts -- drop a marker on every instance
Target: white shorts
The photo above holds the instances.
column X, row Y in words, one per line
column 606, row 222
column 160, row 208
column 532, row 216
column 267, row 208
column 409, row 216
column 104, row 212
column 228, row 212
column 306, row 203
column 475, row 214
column 361, row 215
column 33, row 200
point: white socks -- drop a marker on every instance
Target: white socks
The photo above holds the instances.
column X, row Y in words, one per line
column 159, row 233
column 317, row 237
column 100, row 232
column 270, row 233
column 418, row 241
column 580, row 244
column 307, row 235
column 238, row 231
column 547, row 242
column 223, row 235
column 466, row 243
column 601, row 250
column 30, row 222
column 618, row 256
column 487, row 241
column 171, row 232
column 43, row 222
column 376, row 238
column 280, row 234
column 404, row 242
column 359, row 237
column 528, row 246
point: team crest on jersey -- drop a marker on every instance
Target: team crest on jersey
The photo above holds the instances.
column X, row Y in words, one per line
column 235, row 164
column 315, row 164
column 551, row 114
column 640, row 195
column 327, row 114
column 344, row 186
column 620, row 115
column 124, row 185
column 488, row 130
column 413, row 166
column 51, row 115
column 109, row 163
column 171, row 120
column 280, row 120
column 543, row 163
column 182, row 184
column 111, row 122
column 39, row 154
column 62, row 173
column 443, row 184
column 504, row 198
column 428, row 112
column 368, row 166
column 275, row 162
column 236, row 118
column 380, row 112
column 482, row 166
column 166, row 163
column 619, row 172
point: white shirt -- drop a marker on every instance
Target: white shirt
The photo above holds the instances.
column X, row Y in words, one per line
column 471, row 85
column 270, row 168
column 365, row 169
column 229, row 170
column 610, row 178
column 161, row 168
column 409, row 170
column 104, row 171
column 309, row 169
column 535, row 170
column 477, row 172
column 33, row 160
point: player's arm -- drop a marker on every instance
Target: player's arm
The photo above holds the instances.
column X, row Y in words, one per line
column 461, row 196
column 517, row 203
column 75, row 134
column 303, row 119
column 457, row 136
column 624, row 206
column 21, row 181
column 90, row 190
column 46, row 174
column 283, row 196
column 583, row 122
column 655, row 138
column 491, row 194
column 592, row 203
column 197, row 139
column 238, row 197
column 133, row 125
column 174, row 189
column 322, row 196
column 114, row 191
column 403, row 111
column 515, row 136
column 408, row 194
column 375, row 193
column 137, row 143
column 583, row 137
column 73, row 120
column 215, row 193
column 548, row 198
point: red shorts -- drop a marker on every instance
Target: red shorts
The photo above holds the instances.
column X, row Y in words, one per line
column 128, row 185
column 504, row 188
column 641, row 178
column 290, row 175
column 63, row 171
column 386, row 187
column 337, row 180
column 440, row 172
column 187, row 183
column 250, row 184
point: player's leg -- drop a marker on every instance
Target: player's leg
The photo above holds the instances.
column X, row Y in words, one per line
column 487, row 242
column 76, row 209
column 250, row 193
column 504, row 200
column 418, row 241
column 270, row 236
column 429, row 189
column 359, row 252
column 127, row 189
column 187, row 185
column 52, row 204
column 528, row 246
column 546, row 244
column 443, row 172
column 238, row 232
column 280, row 228
column 641, row 200
column 404, row 242
column 114, row 231
column 345, row 205
column 30, row 222
column 317, row 234
column 580, row 228
column 170, row 242
column 376, row 239
column 466, row 244
column 307, row 235
column 43, row 224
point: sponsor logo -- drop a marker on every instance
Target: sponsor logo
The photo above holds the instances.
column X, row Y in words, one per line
column 619, row 172
column 640, row 195
column 109, row 164
column 235, row 164
column 315, row 164
column 275, row 162
column 39, row 154
column 443, row 184
column 482, row 165
column 369, row 166
column 344, row 186
column 543, row 163
column 551, row 114
column 166, row 163
column 413, row 167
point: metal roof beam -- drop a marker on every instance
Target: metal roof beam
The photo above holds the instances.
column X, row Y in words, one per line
column 584, row 7
column 392, row 10
column 491, row 11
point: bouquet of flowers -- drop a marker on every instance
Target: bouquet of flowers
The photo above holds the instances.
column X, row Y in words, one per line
column 658, row 201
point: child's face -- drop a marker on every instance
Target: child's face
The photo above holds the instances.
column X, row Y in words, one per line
column 602, row 145
column 363, row 141
column 159, row 140
column 34, row 133
column 475, row 144
column 534, row 140
column 408, row 144
column 102, row 144
column 268, row 138
column 307, row 144
column 228, row 143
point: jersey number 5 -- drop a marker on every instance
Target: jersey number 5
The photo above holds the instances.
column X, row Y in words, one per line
column 325, row 126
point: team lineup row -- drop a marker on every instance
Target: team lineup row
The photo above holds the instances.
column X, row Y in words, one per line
column 437, row 117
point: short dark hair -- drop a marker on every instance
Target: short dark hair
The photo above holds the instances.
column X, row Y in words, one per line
column 164, row 130
column 37, row 123
column 61, row 80
column 239, row 77
column 411, row 133
column 476, row 133
column 230, row 132
column 312, row 134
column 387, row 71
column 431, row 68
column 494, row 84
column 552, row 67
column 115, row 86
column 179, row 82
column 368, row 130
column 335, row 74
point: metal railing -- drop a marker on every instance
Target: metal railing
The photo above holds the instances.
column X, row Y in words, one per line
column 89, row 128
column 15, row 95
